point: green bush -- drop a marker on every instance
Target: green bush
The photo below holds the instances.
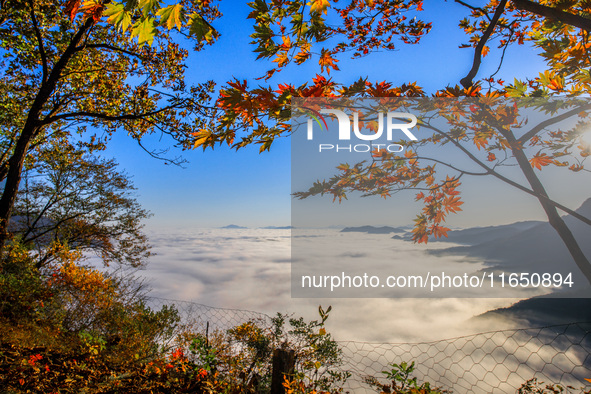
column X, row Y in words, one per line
column 401, row 381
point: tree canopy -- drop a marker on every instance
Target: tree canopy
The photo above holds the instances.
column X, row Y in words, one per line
column 74, row 72
column 69, row 73
column 79, row 70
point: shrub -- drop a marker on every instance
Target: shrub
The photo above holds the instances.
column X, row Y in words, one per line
column 241, row 359
column 401, row 381
column 533, row 386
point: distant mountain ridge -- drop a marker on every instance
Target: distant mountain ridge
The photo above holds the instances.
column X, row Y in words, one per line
column 527, row 246
column 524, row 246
column 538, row 247
column 544, row 311
column 233, row 226
column 372, row 230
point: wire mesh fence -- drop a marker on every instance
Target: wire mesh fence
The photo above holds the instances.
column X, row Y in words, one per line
column 201, row 317
column 490, row 362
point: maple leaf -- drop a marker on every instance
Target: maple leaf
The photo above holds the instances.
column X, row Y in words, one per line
column 439, row 231
column 172, row 16
column 203, row 138
column 480, row 140
column 319, row 6
column 286, row 42
column 303, row 55
column 93, row 9
column 491, row 157
column 201, row 29
column 556, row 84
column 552, row 81
column 71, row 8
column 148, row 6
column 144, row 30
column 118, row 15
column 452, row 204
column 420, row 237
column 540, row 160
column 281, row 59
column 327, row 61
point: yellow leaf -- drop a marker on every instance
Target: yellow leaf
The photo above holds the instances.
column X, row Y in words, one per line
column 319, row 6
column 172, row 16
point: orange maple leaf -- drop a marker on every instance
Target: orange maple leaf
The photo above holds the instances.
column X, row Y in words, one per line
column 480, row 140
column 452, row 204
column 540, row 160
column 439, row 232
column 556, row 84
column 327, row 61
column 71, row 8
column 93, row 9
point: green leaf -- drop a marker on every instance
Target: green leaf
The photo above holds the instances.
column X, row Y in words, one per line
column 131, row 5
column 118, row 15
column 144, row 30
column 517, row 90
column 148, row 6
column 172, row 16
column 200, row 28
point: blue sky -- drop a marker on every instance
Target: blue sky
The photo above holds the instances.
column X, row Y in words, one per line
column 223, row 186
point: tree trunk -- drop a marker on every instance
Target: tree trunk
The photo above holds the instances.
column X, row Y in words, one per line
column 553, row 217
column 30, row 130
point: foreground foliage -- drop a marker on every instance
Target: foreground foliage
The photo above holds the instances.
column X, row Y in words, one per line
column 69, row 328
column 401, row 381
column 36, row 358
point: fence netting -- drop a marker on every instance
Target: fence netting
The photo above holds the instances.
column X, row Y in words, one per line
column 490, row 362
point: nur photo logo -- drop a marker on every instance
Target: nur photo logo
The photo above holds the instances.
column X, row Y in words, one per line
column 391, row 125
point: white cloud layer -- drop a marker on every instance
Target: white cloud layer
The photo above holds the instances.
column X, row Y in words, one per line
column 250, row 269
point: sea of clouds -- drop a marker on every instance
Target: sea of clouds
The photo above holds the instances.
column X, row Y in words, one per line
column 250, row 269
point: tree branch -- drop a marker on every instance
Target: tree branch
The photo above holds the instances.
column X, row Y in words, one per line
column 540, row 126
column 503, row 55
column 467, row 80
column 107, row 46
column 98, row 115
column 463, row 172
column 554, row 13
column 509, row 181
column 39, row 41
column 473, row 8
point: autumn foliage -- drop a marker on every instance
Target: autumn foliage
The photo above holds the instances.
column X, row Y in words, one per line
column 76, row 72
